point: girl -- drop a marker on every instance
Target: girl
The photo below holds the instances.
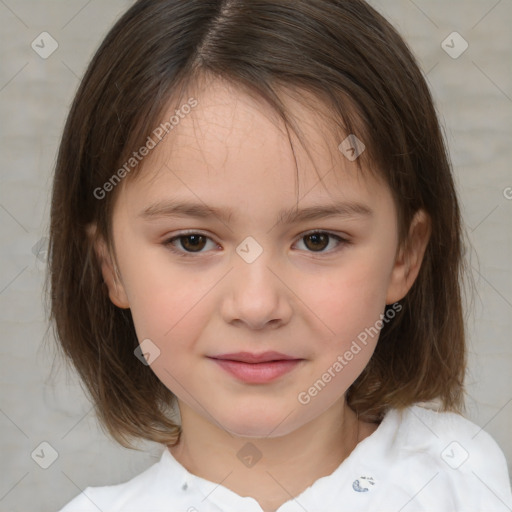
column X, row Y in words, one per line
column 256, row 260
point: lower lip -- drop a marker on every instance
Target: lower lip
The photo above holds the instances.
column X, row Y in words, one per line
column 258, row 373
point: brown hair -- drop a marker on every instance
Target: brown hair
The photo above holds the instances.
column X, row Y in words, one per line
column 350, row 58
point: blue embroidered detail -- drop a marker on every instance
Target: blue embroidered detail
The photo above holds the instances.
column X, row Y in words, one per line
column 358, row 488
column 356, row 485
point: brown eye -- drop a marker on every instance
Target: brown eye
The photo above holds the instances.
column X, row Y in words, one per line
column 193, row 243
column 188, row 244
column 316, row 241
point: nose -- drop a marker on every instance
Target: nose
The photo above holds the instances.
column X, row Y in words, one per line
column 256, row 295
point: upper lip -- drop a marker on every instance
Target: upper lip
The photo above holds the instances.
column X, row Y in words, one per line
column 249, row 357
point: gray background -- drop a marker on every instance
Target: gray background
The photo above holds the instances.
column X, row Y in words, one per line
column 474, row 98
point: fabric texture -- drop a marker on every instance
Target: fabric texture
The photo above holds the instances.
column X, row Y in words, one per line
column 416, row 460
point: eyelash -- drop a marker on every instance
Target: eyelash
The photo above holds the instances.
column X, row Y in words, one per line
column 184, row 254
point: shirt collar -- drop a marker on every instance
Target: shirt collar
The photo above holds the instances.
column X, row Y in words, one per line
column 357, row 471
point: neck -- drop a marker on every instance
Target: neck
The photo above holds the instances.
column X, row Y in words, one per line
column 288, row 464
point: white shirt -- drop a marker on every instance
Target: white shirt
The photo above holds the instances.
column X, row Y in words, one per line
column 417, row 460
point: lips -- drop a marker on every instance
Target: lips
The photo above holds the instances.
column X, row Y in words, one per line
column 249, row 357
column 256, row 368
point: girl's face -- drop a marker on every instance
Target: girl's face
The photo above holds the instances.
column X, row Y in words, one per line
column 251, row 278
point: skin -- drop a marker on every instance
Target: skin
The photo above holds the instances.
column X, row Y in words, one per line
column 232, row 151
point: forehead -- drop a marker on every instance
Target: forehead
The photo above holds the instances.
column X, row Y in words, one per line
column 233, row 146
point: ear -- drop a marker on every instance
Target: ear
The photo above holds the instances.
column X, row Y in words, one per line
column 109, row 271
column 409, row 258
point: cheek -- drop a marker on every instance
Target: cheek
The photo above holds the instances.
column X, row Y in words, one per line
column 166, row 301
column 172, row 315
column 349, row 301
column 351, row 297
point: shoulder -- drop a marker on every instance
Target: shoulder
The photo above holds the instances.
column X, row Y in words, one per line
column 459, row 438
column 122, row 496
column 111, row 498
column 465, row 462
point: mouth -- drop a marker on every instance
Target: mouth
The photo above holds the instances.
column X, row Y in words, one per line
column 256, row 368
column 249, row 357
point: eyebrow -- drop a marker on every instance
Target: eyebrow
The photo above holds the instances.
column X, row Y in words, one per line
column 170, row 208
